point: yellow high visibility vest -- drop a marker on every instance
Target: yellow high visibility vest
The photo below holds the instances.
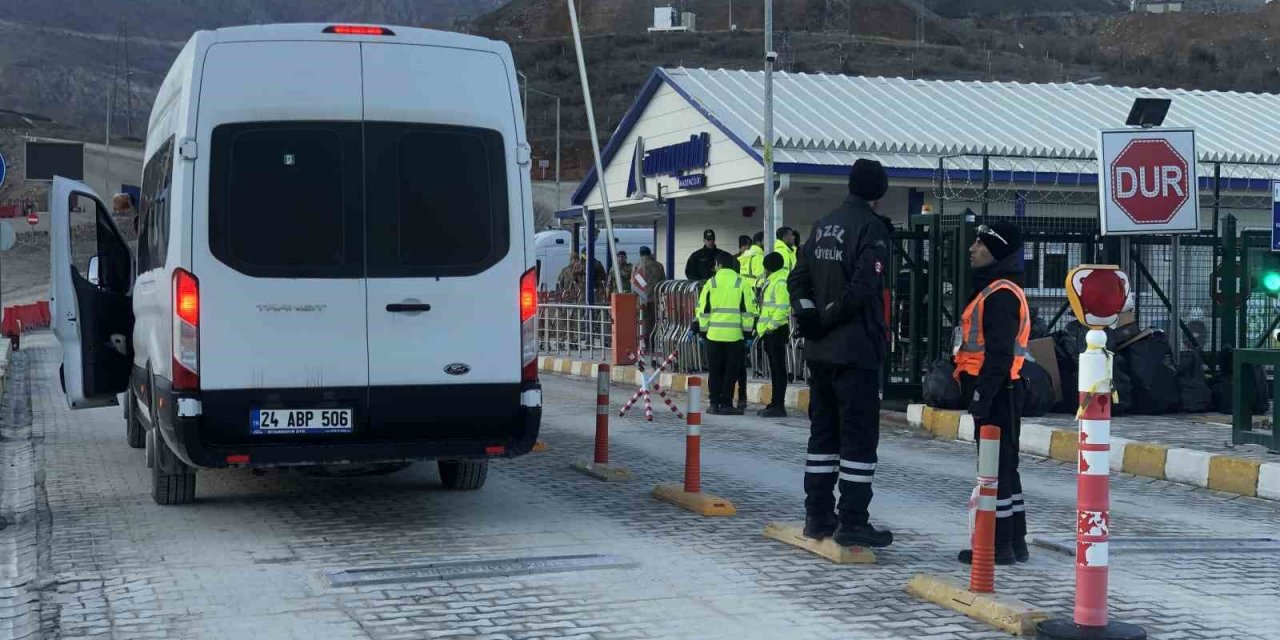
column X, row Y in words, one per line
column 727, row 307
column 775, row 303
column 788, row 254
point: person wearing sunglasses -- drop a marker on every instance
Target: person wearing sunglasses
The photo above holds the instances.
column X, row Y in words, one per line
column 990, row 347
column 837, row 295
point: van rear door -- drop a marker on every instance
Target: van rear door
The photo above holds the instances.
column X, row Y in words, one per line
column 278, row 238
column 446, row 240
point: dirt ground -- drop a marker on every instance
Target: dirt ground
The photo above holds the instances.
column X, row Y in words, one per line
column 24, row 269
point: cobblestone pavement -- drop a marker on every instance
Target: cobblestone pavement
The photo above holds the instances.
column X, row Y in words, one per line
column 1202, row 432
column 248, row 559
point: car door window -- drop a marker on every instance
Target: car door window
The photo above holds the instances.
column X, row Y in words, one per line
column 437, row 202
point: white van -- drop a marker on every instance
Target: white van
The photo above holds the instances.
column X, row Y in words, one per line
column 335, row 261
column 554, row 247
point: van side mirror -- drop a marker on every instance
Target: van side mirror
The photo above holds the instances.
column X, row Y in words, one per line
column 93, row 270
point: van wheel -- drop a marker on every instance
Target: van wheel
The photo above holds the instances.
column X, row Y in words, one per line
column 172, row 481
column 463, row 475
column 134, row 432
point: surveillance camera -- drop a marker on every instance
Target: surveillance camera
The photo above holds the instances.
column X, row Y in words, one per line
column 771, row 56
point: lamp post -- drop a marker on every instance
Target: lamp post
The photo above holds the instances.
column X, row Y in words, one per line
column 770, row 56
column 557, row 99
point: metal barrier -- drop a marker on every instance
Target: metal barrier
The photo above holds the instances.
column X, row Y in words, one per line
column 1242, row 431
column 574, row 329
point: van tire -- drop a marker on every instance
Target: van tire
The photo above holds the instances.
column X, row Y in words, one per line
column 463, row 475
column 172, row 481
column 134, row 431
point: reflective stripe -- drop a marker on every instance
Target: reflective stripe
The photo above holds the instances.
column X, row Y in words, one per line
column 861, row 466
column 1003, row 514
column 725, row 310
column 831, row 468
column 723, row 325
column 1004, row 502
column 807, row 304
column 822, row 457
column 849, row 477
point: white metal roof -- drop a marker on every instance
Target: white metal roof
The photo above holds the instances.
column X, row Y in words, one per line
column 829, row 119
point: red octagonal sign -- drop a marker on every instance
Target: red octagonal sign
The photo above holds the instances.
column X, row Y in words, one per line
column 1150, row 181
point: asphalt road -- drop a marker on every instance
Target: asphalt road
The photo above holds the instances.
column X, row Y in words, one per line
column 254, row 556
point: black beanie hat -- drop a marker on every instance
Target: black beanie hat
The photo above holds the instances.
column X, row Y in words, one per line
column 868, row 180
column 744, row 241
column 727, row 261
column 1003, row 239
column 773, row 262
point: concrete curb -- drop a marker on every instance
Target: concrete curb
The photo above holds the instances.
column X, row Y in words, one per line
column 1241, row 476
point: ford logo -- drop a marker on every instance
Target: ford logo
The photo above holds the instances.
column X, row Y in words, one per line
column 458, row 369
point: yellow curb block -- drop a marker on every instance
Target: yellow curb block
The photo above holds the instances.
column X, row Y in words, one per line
column 1064, row 446
column 540, row 446
column 1002, row 612
column 766, row 393
column 1234, row 475
column 603, row 472
column 802, row 399
column 942, row 423
column 1146, row 460
column 792, row 533
column 699, row 503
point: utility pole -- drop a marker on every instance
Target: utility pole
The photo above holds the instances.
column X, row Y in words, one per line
column 557, row 99
column 595, row 143
column 770, row 56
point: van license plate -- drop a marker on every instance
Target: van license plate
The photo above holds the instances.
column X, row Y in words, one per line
column 300, row 421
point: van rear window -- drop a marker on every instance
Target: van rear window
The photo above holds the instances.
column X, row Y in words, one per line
column 437, row 200
column 285, row 199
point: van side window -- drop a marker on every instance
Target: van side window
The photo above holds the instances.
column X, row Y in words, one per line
column 436, row 200
column 153, row 234
column 285, row 199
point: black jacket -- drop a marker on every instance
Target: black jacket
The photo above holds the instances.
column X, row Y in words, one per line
column 702, row 263
column 840, row 271
column 1000, row 333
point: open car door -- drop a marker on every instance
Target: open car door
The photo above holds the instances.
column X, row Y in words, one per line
column 91, row 274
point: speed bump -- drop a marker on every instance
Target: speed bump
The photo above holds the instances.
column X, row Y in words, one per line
column 1003, row 612
column 703, row 504
column 792, row 533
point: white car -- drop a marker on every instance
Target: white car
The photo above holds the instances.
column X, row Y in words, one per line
column 335, row 260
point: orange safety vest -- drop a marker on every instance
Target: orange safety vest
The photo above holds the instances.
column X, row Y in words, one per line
column 970, row 344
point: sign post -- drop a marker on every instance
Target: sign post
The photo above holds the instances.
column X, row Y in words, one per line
column 1149, row 184
column 1275, row 214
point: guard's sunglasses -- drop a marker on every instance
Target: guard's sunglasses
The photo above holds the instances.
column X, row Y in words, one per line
column 984, row 230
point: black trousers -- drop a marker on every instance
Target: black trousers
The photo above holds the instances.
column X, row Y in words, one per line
column 725, row 361
column 1006, row 413
column 844, row 432
column 742, row 377
column 775, row 347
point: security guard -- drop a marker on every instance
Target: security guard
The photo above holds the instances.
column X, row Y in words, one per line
column 749, row 261
column 785, row 245
column 727, row 319
column 774, row 329
column 837, row 294
column 990, row 347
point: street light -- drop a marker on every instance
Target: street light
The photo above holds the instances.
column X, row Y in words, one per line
column 557, row 99
column 770, row 56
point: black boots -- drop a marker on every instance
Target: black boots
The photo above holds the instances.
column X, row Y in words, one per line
column 1004, row 556
column 862, row 535
column 819, row 525
column 772, row 412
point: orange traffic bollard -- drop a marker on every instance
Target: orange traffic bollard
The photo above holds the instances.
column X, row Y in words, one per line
column 982, row 572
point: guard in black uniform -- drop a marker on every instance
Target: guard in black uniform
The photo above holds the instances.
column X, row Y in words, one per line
column 837, row 294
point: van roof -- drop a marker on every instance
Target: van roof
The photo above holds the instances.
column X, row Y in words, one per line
column 315, row 31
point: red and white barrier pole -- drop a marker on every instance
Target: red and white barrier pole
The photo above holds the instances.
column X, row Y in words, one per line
column 693, row 439
column 1093, row 506
column 602, row 415
column 982, row 571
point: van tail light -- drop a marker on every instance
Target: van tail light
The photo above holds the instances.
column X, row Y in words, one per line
column 358, row 30
column 529, row 326
column 186, row 331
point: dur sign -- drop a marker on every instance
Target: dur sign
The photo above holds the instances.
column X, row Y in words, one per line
column 1148, row 181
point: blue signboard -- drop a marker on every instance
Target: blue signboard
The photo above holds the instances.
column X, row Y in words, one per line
column 3, row 169
column 693, row 181
column 673, row 160
column 1275, row 215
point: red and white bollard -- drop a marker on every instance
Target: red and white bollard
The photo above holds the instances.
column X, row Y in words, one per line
column 693, row 439
column 1093, row 506
column 982, row 571
column 602, row 415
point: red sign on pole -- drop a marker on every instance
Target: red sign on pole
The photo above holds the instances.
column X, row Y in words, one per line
column 1148, row 181
column 33, row 219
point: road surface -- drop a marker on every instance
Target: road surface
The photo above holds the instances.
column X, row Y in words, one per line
column 255, row 555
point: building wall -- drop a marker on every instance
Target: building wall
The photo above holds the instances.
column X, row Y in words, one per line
column 669, row 119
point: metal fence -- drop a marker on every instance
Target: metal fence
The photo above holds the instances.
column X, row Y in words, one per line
column 579, row 330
